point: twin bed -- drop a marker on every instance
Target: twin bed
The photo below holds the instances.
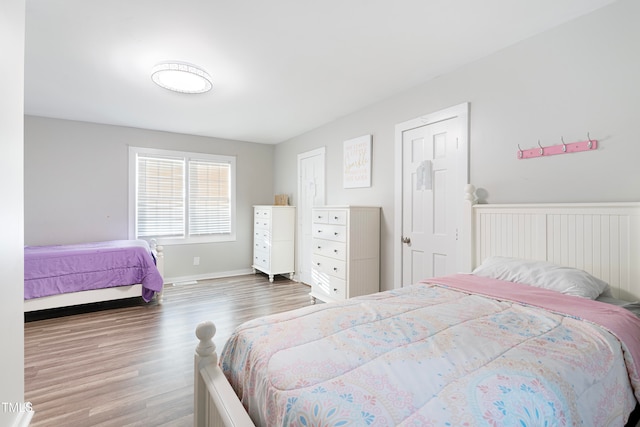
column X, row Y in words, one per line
column 520, row 341
column 66, row 275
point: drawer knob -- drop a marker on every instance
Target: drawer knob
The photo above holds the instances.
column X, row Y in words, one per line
column 318, row 264
column 335, row 289
column 335, row 268
column 335, row 217
column 335, row 234
column 319, row 247
column 335, row 250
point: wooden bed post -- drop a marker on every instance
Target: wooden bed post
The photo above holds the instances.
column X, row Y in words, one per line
column 205, row 356
column 158, row 252
column 215, row 403
column 160, row 265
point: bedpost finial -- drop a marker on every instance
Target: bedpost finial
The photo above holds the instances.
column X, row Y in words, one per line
column 205, row 332
column 470, row 193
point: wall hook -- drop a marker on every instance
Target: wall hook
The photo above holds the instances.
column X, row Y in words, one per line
column 563, row 148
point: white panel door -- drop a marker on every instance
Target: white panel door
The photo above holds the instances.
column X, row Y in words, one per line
column 432, row 191
column 311, row 182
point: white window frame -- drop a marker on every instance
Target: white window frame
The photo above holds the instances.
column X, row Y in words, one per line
column 187, row 156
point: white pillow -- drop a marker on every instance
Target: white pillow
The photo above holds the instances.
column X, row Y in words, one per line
column 569, row 281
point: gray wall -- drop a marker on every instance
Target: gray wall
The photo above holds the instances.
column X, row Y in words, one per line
column 578, row 78
column 76, row 189
column 12, row 23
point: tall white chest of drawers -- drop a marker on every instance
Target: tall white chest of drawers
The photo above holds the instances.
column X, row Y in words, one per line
column 346, row 252
column 274, row 239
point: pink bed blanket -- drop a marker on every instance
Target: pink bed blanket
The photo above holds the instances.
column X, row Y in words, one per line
column 52, row 270
column 443, row 352
column 620, row 322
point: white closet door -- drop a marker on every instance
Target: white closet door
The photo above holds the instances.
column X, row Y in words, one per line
column 311, row 190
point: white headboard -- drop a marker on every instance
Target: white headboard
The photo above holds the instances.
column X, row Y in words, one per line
column 600, row 238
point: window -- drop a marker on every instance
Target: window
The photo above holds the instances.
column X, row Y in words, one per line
column 178, row 197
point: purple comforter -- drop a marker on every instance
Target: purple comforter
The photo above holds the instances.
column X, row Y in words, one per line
column 51, row 270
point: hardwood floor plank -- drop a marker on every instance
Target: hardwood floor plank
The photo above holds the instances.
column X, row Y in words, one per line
column 128, row 363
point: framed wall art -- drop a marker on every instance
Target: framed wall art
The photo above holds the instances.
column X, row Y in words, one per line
column 357, row 162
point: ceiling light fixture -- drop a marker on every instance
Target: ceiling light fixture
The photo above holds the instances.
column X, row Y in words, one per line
column 181, row 77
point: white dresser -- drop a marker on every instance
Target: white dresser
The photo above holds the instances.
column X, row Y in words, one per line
column 346, row 252
column 274, row 240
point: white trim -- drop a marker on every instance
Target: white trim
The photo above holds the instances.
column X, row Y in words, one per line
column 206, row 276
column 461, row 111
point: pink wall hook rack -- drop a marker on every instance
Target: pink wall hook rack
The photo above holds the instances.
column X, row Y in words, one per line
column 572, row 147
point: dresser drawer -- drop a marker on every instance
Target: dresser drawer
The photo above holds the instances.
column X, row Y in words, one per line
column 261, row 213
column 261, row 235
column 330, row 248
column 337, row 233
column 320, row 216
column 261, row 245
column 330, row 266
column 337, row 217
column 262, row 223
column 261, row 258
column 330, row 286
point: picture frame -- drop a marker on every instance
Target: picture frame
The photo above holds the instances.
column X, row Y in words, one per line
column 356, row 164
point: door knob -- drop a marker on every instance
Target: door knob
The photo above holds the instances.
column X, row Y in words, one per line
column 406, row 240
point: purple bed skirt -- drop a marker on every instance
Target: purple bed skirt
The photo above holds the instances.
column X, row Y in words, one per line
column 52, row 270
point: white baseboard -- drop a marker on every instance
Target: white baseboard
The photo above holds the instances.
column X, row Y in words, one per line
column 182, row 279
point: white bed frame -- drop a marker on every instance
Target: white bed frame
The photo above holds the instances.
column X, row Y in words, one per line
column 97, row 295
column 600, row 238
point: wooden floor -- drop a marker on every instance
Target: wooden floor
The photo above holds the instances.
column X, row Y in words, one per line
column 130, row 363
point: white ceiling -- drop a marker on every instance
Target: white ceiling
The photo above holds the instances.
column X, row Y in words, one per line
column 280, row 67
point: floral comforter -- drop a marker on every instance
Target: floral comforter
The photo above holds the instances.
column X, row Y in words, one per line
column 433, row 354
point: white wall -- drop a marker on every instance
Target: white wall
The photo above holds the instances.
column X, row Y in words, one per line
column 12, row 24
column 578, row 78
column 76, row 189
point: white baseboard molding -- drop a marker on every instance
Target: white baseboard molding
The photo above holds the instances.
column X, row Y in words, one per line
column 218, row 275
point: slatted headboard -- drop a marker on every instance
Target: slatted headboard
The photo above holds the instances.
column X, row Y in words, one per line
column 600, row 238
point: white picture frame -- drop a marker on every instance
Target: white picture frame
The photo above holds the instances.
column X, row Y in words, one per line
column 356, row 165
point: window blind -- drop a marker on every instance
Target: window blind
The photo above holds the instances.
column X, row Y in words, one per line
column 160, row 197
column 209, row 198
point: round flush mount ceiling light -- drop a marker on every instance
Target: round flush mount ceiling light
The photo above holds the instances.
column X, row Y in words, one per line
column 181, row 77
